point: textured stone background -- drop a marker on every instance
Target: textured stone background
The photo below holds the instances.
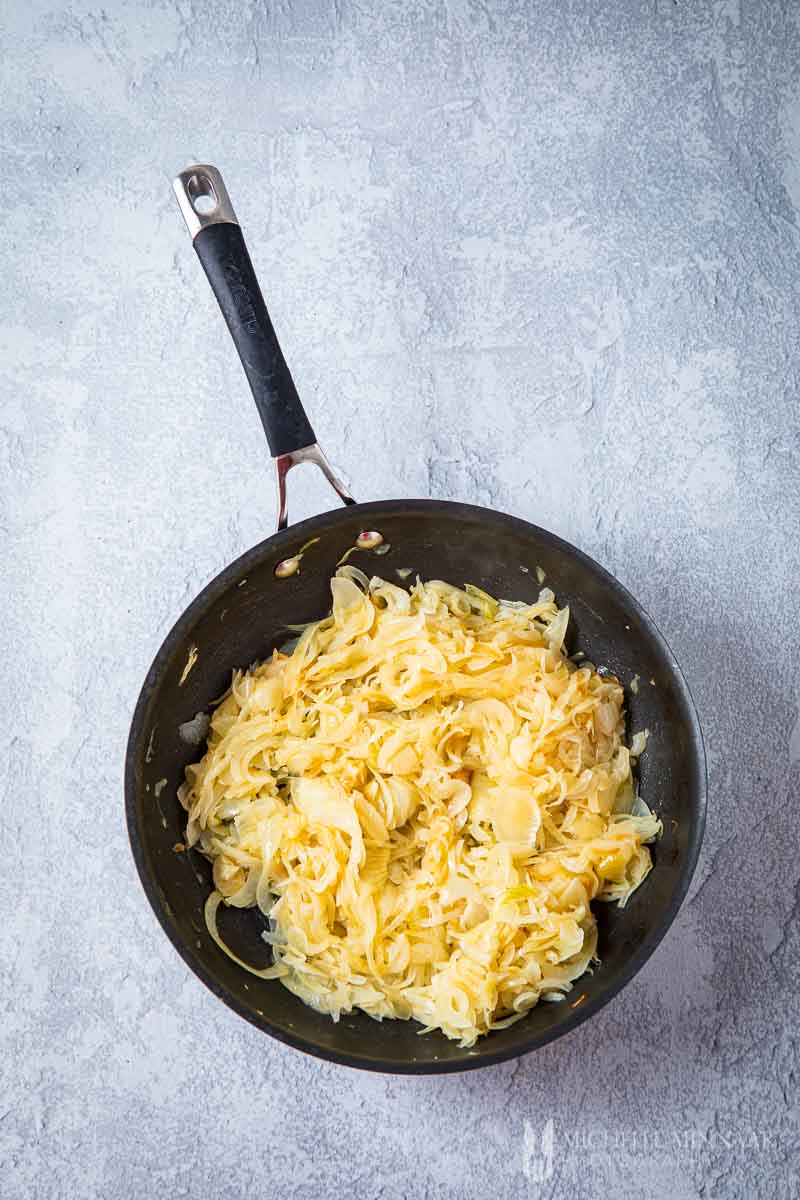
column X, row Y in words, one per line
column 534, row 255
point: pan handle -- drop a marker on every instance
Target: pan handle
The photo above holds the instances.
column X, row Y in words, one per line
column 220, row 246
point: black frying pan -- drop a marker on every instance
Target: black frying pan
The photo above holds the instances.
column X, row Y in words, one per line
column 243, row 613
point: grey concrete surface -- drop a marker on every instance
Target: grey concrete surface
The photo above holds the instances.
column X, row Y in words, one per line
column 540, row 256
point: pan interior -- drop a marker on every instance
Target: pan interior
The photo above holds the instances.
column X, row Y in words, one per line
column 244, row 613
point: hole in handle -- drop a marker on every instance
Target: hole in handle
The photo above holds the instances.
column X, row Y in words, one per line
column 202, row 195
column 204, row 204
column 203, row 199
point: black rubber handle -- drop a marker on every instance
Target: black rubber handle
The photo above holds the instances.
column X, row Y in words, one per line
column 223, row 253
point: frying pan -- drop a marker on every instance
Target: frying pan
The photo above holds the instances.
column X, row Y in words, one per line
column 244, row 613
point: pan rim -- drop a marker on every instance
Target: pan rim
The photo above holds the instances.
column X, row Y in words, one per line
column 472, row 1060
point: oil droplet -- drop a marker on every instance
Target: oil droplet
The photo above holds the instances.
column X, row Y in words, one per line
column 368, row 539
column 287, row 567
